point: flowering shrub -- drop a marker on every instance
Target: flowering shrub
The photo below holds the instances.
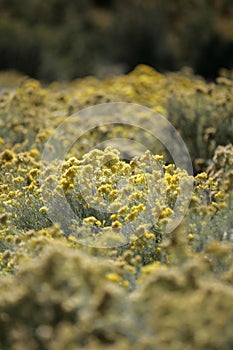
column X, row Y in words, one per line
column 61, row 284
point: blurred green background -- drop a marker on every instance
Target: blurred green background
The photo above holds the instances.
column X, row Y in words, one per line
column 65, row 39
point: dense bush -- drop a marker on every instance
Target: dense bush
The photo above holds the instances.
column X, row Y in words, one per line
column 62, row 286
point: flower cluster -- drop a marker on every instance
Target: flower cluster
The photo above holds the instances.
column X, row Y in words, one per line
column 92, row 278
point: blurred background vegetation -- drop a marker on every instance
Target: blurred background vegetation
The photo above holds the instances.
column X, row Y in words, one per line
column 60, row 39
